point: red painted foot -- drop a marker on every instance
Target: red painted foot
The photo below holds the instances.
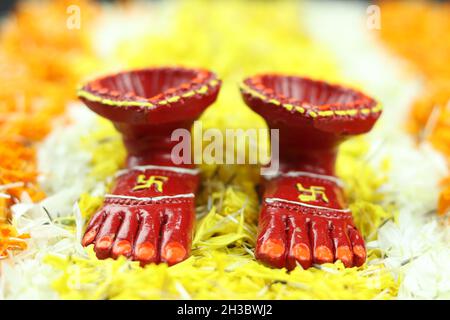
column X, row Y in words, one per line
column 304, row 220
column 148, row 216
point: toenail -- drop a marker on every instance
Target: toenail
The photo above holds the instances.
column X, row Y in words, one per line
column 301, row 252
column 89, row 237
column 122, row 247
column 359, row 251
column 344, row 254
column 173, row 252
column 145, row 251
column 273, row 248
column 324, row 254
column 104, row 242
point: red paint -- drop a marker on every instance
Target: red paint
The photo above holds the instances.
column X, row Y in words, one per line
column 149, row 231
column 321, row 233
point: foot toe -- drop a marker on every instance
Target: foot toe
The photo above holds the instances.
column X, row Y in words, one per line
column 123, row 244
column 321, row 241
column 342, row 245
column 107, row 235
column 299, row 244
column 147, row 238
column 271, row 243
column 177, row 234
column 359, row 249
column 93, row 228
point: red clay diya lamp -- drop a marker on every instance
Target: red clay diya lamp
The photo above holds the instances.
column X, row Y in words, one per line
column 149, row 214
column 304, row 217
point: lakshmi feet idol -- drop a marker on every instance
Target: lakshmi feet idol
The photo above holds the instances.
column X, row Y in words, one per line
column 304, row 217
column 149, row 214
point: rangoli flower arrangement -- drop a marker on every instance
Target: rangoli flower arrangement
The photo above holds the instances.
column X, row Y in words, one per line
column 93, row 205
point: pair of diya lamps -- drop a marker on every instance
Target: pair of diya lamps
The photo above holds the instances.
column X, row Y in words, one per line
column 149, row 214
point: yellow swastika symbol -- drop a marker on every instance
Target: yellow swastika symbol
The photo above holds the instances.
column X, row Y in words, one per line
column 144, row 183
column 313, row 193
